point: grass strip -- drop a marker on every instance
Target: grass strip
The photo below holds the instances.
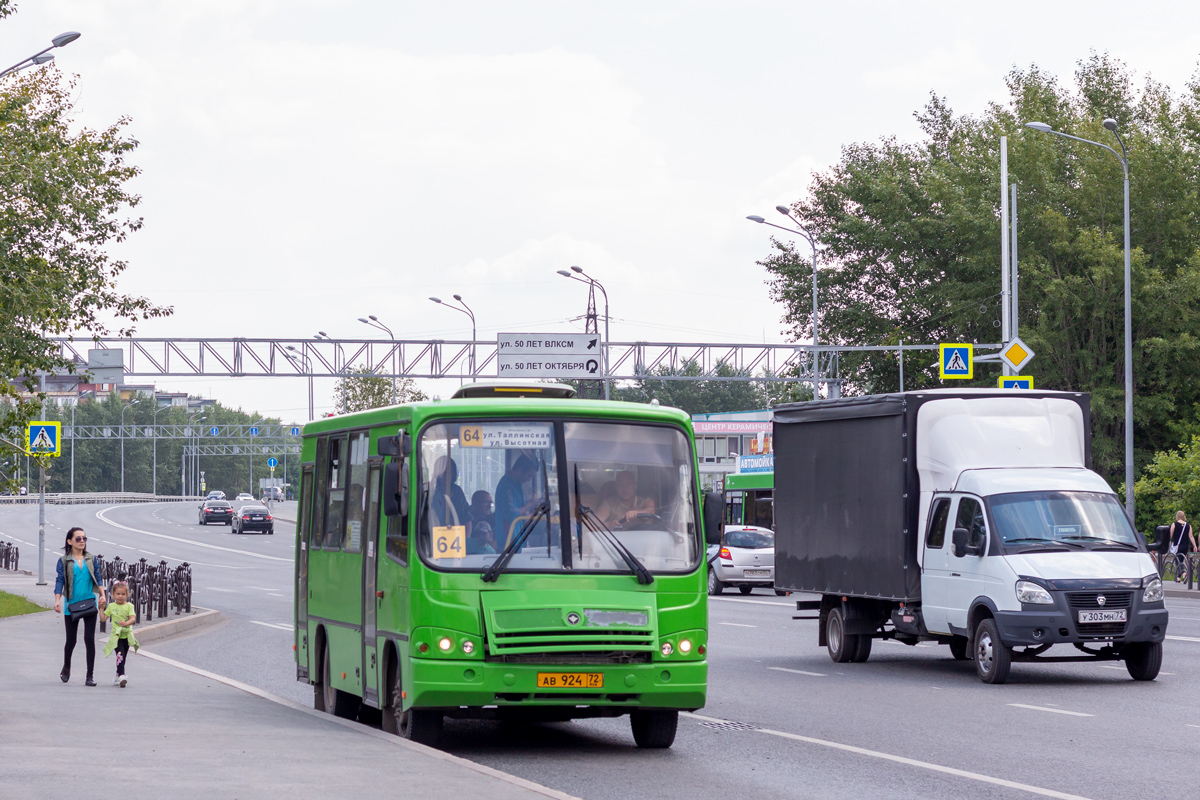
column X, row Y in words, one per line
column 12, row 605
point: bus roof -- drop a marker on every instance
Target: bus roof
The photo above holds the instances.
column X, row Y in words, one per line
column 749, row 480
column 419, row 412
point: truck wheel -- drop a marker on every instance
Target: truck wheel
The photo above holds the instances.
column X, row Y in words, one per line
column 1144, row 660
column 992, row 659
column 958, row 648
column 421, row 725
column 745, row 589
column 863, row 651
column 842, row 648
column 781, row 592
column 654, row 728
column 714, row 583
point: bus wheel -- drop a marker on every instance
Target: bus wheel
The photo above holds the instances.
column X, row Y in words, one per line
column 654, row 728
column 331, row 700
column 421, row 725
column 394, row 701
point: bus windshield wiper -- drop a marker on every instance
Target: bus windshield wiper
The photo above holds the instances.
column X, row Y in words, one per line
column 493, row 571
column 639, row 570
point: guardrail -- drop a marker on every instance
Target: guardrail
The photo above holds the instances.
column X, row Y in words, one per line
column 154, row 589
column 97, row 498
column 10, row 555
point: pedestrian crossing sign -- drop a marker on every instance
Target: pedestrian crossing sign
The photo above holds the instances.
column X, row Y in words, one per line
column 43, row 439
column 956, row 361
column 1016, row 381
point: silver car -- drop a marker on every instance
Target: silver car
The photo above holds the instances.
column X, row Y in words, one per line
column 745, row 558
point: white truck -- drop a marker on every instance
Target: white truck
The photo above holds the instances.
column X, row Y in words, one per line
column 965, row 517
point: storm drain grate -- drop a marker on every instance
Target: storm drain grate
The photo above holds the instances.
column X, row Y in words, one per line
column 730, row 726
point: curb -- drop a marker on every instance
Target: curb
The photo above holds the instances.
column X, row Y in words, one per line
column 157, row 631
column 1182, row 593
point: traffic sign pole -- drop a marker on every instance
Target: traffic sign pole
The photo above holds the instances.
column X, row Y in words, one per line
column 41, row 581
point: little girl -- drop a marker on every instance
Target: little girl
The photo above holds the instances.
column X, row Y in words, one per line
column 123, row 615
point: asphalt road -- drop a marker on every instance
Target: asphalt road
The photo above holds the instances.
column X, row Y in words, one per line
column 782, row 719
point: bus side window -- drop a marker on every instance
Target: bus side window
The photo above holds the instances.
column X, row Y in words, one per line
column 397, row 531
column 335, row 493
column 320, row 479
column 356, row 508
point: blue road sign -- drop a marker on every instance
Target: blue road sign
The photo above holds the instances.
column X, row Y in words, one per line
column 254, row 431
column 42, row 439
column 272, row 462
column 295, row 431
column 1016, row 381
column 956, row 361
column 214, row 430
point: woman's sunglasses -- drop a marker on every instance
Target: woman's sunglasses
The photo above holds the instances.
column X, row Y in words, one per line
column 81, row 538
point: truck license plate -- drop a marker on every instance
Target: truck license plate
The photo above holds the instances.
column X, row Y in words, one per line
column 1117, row 615
column 570, row 680
column 757, row 573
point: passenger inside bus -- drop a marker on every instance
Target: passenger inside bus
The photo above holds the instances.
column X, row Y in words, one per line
column 449, row 501
column 511, row 504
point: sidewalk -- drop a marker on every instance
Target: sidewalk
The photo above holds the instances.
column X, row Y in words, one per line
column 185, row 732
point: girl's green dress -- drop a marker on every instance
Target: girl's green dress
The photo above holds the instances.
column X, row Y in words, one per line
column 118, row 613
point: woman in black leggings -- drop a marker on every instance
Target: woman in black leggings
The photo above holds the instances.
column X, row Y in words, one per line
column 76, row 585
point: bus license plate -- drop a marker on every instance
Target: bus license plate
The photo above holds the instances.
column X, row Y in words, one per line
column 570, row 680
column 758, row 573
column 1117, row 615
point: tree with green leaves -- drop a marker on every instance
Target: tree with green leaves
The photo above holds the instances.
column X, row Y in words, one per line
column 64, row 201
column 363, row 390
column 695, row 396
column 909, row 237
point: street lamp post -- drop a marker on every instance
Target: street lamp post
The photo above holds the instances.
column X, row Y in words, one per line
column 323, row 336
column 812, row 242
column 292, row 356
column 464, row 310
column 154, row 423
column 123, row 410
column 183, row 475
column 590, row 281
column 1123, row 157
column 62, row 40
column 374, row 322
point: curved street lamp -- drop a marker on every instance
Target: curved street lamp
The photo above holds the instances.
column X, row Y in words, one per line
column 574, row 275
column 464, row 310
column 323, row 336
column 374, row 322
column 294, row 356
column 1123, row 157
column 123, row 410
column 62, row 40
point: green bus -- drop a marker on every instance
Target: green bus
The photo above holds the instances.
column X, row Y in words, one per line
column 511, row 552
column 750, row 499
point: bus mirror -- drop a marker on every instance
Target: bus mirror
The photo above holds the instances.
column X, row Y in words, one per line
column 395, row 490
column 405, row 444
column 714, row 512
column 388, row 446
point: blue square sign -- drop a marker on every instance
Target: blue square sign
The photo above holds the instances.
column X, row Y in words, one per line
column 956, row 361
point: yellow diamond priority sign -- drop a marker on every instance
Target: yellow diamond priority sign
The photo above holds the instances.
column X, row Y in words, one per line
column 1016, row 354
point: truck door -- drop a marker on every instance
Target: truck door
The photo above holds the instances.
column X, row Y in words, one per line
column 935, row 589
column 967, row 578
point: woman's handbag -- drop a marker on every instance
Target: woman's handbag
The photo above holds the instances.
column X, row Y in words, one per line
column 83, row 606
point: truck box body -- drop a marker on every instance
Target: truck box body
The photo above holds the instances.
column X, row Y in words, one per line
column 853, row 479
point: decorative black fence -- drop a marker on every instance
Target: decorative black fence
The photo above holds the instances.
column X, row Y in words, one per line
column 155, row 590
column 10, row 555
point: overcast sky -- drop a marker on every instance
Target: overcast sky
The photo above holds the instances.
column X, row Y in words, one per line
column 309, row 162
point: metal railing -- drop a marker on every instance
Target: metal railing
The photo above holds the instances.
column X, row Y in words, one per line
column 1179, row 568
column 155, row 590
column 100, row 498
column 10, row 556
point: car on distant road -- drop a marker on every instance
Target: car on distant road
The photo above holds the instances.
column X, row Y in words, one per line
column 215, row 494
column 745, row 558
column 253, row 518
column 216, row 511
column 272, row 493
column 243, row 497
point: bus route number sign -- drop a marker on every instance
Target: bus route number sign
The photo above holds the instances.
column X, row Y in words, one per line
column 538, row 436
column 450, row 541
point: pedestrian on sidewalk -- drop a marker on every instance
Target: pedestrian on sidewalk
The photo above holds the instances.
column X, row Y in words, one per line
column 75, row 596
column 1182, row 540
column 123, row 615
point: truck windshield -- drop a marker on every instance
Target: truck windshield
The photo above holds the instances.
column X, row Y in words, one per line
column 1091, row 520
column 491, row 485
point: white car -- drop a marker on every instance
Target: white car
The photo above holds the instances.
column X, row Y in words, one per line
column 745, row 558
column 244, row 496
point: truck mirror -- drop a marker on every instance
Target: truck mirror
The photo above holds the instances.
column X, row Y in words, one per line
column 714, row 512
column 395, row 489
column 960, row 541
column 1162, row 538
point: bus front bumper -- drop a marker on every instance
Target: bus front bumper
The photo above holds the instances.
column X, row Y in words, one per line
column 446, row 683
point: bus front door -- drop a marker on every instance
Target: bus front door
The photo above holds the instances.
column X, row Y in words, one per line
column 370, row 600
column 303, row 533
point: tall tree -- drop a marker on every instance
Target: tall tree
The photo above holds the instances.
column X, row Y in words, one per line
column 910, row 243
column 64, row 201
column 363, row 390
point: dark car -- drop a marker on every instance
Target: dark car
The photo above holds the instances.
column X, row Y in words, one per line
column 253, row 518
column 216, row 511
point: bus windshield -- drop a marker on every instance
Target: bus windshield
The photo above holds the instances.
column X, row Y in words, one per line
column 486, row 485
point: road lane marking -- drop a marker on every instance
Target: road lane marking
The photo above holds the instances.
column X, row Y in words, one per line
column 272, row 625
column 274, row 594
column 1184, row 638
column 912, row 762
column 219, row 589
column 799, row 672
column 100, row 515
column 737, row 625
column 147, row 552
column 1052, row 710
column 260, row 588
column 1110, row 666
column 756, row 602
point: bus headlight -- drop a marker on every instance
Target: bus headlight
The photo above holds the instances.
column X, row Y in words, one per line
column 445, row 644
column 667, row 649
column 468, row 647
column 685, row 646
